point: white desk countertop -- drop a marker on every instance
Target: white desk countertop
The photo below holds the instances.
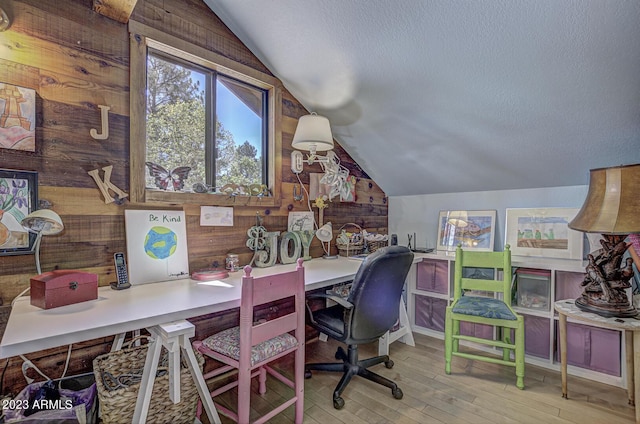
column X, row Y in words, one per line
column 31, row 329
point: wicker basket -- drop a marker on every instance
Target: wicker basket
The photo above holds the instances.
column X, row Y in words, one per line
column 351, row 247
column 117, row 406
column 372, row 246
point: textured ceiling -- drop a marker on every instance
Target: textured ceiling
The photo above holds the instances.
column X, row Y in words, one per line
column 439, row 96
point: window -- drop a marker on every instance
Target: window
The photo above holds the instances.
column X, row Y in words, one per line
column 211, row 123
column 208, row 121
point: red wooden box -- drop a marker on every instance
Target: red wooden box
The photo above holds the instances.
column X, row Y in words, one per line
column 63, row 287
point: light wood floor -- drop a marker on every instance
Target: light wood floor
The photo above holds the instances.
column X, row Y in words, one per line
column 475, row 392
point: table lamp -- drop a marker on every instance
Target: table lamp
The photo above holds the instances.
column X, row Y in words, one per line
column 325, row 235
column 43, row 222
column 612, row 208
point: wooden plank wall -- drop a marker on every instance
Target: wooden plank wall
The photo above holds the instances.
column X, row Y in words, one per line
column 77, row 59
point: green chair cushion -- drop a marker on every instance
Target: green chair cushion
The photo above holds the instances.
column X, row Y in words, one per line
column 483, row 307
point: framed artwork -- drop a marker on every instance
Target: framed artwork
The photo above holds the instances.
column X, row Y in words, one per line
column 300, row 221
column 18, row 120
column 18, row 198
column 212, row 216
column 348, row 192
column 543, row 232
column 156, row 245
column 473, row 230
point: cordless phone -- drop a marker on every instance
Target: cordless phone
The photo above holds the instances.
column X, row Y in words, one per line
column 121, row 272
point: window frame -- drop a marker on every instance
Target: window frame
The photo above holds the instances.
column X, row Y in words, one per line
column 141, row 39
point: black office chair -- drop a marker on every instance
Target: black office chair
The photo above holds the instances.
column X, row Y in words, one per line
column 370, row 310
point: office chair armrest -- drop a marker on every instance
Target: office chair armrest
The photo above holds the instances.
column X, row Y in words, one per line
column 339, row 300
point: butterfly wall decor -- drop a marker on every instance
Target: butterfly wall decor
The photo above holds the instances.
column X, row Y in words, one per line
column 168, row 180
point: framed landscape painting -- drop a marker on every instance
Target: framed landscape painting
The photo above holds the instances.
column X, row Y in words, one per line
column 473, row 230
column 543, row 232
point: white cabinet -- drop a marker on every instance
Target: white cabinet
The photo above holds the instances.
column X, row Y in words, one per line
column 594, row 353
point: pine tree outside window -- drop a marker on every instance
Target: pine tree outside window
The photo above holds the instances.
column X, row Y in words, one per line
column 191, row 107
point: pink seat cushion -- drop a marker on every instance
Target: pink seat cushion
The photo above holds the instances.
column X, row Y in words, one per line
column 227, row 343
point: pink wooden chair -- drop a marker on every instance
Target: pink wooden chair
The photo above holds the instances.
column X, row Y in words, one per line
column 251, row 346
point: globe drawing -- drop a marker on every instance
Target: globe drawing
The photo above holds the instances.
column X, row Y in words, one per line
column 160, row 242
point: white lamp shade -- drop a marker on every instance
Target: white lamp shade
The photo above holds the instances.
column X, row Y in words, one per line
column 325, row 233
column 313, row 134
column 44, row 221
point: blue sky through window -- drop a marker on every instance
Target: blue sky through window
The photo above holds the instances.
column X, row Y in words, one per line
column 235, row 116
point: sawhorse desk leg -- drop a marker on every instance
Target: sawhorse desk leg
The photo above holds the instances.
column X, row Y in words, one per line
column 118, row 340
column 174, row 337
column 403, row 333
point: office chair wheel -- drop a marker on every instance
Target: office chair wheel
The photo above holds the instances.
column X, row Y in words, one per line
column 338, row 402
column 389, row 364
column 397, row 393
column 307, row 374
column 340, row 355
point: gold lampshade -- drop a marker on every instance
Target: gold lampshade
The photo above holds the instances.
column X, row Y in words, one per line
column 612, row 205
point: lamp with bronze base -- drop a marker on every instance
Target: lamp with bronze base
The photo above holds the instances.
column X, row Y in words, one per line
column 612, row 208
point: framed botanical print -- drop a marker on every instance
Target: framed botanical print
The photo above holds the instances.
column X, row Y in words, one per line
column 18, row 198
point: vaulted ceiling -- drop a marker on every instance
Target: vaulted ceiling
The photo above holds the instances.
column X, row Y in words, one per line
column 439, row 96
